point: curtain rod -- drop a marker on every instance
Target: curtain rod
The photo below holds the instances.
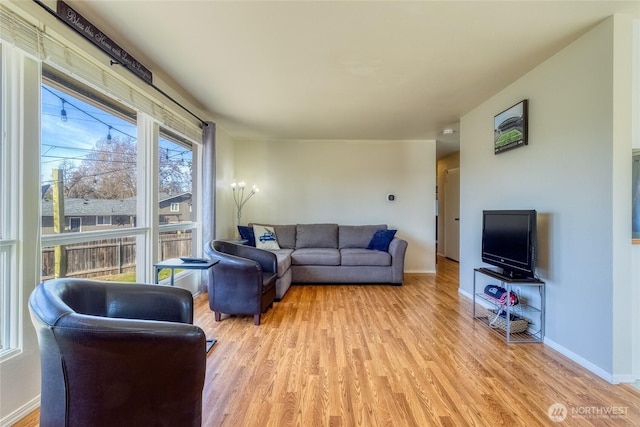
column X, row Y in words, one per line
column 114, row 61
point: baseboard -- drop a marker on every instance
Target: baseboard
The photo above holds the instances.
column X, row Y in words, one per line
column 465, row 293
column 626, row 379
column 607, row 376
column 21, row 412
column 420, row 271
column 580, row 361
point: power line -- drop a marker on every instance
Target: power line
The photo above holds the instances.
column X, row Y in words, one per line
column 65, row 102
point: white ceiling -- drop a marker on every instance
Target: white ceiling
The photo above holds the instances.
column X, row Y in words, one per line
column 389, row 70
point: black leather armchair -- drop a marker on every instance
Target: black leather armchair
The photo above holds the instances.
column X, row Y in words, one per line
column 118, row 354
column 243, row 281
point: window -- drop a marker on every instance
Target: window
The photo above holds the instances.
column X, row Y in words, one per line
column 175, row 189
column 8, row 231
column 88, row 161
column 89, row 177
column 7, row 338
column 75, row 224
column 4, row 264
column 103, row 220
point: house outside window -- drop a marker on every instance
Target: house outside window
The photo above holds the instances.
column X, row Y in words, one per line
column 175, row 207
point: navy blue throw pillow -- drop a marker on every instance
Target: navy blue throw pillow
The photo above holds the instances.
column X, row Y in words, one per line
column 247, row 234
column 381, row 239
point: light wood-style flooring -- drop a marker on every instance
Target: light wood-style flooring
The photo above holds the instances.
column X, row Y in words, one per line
column 353, row 355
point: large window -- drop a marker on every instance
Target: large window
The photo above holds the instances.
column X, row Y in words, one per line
column 8, row 241
column 91, row 160
column 89, row 184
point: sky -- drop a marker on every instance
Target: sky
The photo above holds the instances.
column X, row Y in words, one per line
column 75, row 138
column 86, row 125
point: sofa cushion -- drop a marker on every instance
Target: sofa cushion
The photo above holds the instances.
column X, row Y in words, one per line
column 317, row 236
column 315, row 256
column 284, row 260
column 381, row 240
column 286, row 235
column 265, row 237
column 355, row 256
column 246, row 233
column 357, row 236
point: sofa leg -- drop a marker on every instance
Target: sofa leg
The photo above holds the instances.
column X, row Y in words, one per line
column 217, row 316
column 256, row 319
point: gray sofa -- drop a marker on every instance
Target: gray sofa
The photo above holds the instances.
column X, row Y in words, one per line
column 332, row 253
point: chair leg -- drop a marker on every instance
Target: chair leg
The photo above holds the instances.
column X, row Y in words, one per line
column 256, row 319
column 217, row 316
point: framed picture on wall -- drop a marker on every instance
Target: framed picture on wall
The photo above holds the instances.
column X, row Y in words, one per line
column 510, row 127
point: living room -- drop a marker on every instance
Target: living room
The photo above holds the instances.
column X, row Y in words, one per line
column 574, row 172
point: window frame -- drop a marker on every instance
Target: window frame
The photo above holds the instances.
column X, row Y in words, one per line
column 101, row 222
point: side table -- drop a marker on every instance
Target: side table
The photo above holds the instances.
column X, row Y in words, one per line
column 176, row 263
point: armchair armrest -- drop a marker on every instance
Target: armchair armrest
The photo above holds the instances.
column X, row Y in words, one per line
column 267, row 260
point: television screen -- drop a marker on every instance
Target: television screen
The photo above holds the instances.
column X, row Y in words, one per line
column 509, row 241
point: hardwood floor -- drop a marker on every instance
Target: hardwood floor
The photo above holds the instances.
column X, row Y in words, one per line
column 381, row 355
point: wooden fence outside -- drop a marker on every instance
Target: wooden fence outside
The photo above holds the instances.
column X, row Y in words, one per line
column 111, row 256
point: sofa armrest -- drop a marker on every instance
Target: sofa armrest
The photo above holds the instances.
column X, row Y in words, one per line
column 397, row 250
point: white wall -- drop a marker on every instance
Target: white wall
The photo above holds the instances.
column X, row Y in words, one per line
column 623, row 124
column 567, row 173
column 635, row 260
column 345, row 182
column 225, row 213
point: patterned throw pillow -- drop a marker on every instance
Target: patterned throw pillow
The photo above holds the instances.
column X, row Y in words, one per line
column 265, row 237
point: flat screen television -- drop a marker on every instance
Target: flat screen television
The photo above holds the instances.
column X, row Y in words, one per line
column 509, row 241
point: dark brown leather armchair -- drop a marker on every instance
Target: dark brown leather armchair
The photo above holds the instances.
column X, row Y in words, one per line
column 243, row 281
column 118, row 354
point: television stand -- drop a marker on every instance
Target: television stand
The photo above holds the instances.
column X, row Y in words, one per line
column 505, row 277
column 526, row 319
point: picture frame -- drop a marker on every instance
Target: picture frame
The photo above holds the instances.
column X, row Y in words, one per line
column 510, row 127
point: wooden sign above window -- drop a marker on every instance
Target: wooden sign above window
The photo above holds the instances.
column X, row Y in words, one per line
column 95, row 36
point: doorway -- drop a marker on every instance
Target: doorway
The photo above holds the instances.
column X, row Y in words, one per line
column 452, row 214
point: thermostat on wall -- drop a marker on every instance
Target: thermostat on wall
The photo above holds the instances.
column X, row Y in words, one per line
column 391, row 197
